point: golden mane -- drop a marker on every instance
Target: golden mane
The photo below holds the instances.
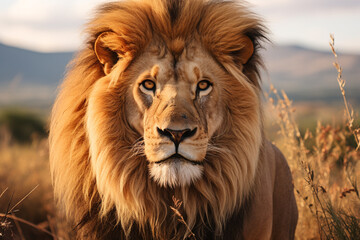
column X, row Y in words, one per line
column 113, row 193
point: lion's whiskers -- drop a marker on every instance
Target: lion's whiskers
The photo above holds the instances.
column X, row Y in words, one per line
column 138, row 148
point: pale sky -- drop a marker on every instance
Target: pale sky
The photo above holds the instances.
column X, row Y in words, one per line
column 56, row 25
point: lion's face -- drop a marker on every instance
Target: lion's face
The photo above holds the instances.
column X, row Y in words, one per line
column 177, row 111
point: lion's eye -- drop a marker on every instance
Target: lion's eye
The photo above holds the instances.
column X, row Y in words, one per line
column 204, row 87
column 148, row 85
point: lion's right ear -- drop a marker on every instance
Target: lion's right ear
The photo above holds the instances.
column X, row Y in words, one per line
column 108, row 50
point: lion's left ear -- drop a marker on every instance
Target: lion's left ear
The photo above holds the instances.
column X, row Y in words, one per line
column 107, row 49
column 243, row 55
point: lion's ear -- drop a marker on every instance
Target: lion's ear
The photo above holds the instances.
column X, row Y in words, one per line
column 244, row 54
column 107, row 50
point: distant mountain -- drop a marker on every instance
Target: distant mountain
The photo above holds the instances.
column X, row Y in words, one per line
column 32, row 77
column 34, row 67
column 307, row 74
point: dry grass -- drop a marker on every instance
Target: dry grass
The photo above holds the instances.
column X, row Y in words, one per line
column 176, row 210
column 325, row 167
column 349, row 112
column 26, row 202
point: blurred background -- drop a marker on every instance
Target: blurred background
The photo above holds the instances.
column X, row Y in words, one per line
column 39, row 37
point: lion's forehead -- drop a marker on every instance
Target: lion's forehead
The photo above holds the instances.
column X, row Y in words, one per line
column 188, row 67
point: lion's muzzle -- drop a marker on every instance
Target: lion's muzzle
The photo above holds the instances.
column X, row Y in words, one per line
column 177, row 159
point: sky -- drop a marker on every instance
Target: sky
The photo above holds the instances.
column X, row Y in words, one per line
column 56, row 25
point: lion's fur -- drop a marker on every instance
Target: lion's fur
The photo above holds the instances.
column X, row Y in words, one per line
column 103, row 186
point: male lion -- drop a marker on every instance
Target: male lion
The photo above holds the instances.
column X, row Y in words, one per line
column 164, row 102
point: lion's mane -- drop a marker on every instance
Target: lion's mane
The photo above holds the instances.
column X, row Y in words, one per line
column 106, row 189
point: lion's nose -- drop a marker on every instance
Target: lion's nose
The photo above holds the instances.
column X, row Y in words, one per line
column 177, row 136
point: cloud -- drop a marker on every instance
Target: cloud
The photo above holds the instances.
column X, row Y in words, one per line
column 309, row 22
column 288, row 8
column 54, row 25
column 45, row 25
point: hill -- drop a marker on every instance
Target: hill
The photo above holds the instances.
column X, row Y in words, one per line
column 28, row 76
column 309, row 75
column 31, row 78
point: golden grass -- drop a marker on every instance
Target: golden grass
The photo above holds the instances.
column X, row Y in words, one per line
column 325, row 167
column 176, row 210
column 27, row 197
column 349, row 112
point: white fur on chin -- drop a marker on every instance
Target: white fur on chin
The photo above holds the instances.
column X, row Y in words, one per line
column 175, row 173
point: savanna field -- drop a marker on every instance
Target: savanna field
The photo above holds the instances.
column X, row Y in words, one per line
column 319, row 140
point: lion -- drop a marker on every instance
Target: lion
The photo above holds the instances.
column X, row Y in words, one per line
column 163, row 103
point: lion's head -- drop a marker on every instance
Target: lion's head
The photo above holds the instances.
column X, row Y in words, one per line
column 164, row 101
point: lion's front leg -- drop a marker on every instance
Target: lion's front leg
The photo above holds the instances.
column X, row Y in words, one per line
column 258, row 219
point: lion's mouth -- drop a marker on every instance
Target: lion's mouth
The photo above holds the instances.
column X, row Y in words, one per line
column 178, row 158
